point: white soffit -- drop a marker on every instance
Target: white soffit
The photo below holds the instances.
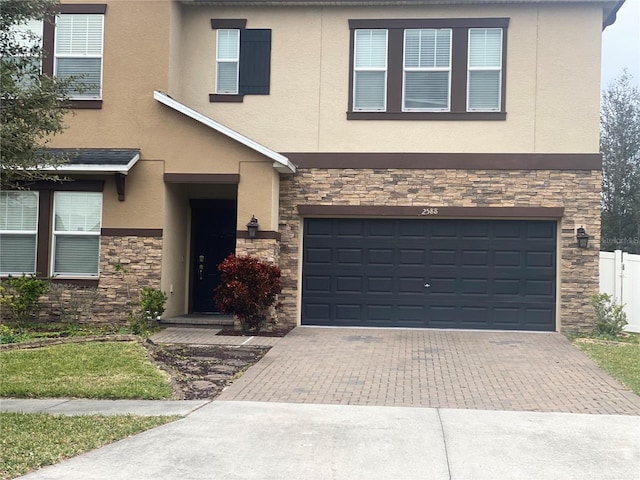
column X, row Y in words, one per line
column 281, row 163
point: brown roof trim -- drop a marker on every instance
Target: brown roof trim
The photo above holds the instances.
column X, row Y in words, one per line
column 131, row 232
column 430, row 211
column 228, row 23
column 86, row 8
column 262, row 235
column 460, row 161
column 209, row 178
column 403, row 23
column 69, row 186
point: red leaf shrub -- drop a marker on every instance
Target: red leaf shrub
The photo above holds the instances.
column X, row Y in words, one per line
column 248, row 290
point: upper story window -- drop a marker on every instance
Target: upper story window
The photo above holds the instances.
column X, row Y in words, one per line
column 428, row 69
column 78, row 53
column 18, row 232
column 243, row 60
column 75, row 42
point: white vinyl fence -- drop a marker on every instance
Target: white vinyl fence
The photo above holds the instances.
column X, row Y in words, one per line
column 620, row 278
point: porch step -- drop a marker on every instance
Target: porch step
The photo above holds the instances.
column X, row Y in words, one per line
column 199, row 321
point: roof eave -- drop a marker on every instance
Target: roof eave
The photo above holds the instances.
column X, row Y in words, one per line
column 94, row 168
column 281, row 163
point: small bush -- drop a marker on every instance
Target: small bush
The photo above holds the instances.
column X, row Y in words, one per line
column 248, row 290
column 150, row 308
column 611, row 318
column 21, row 296
column 7, row 335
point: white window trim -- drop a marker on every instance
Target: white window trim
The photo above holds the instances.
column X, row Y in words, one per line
column 426, row 69
column 54, row 235
column 100, row 56
column 384, row 69
column 485, row 69
column 228, row 60
column 26, row 232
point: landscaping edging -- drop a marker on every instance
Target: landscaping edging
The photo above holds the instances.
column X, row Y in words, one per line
column 47, row 342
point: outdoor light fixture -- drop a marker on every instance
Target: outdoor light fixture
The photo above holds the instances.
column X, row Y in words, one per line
column 252, row 227
column 583, row 237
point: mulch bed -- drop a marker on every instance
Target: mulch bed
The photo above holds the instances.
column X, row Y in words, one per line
column 275, row 332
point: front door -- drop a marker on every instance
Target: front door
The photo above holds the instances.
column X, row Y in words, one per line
column 213, row 238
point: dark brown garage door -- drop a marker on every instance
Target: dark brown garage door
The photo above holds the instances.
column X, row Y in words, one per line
column 477, row 274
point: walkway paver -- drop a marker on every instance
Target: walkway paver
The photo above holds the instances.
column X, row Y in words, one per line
column 430, row 368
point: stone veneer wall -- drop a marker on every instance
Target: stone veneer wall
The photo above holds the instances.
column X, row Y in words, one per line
column 267, row 250
column 576, row 191
column 127, row 264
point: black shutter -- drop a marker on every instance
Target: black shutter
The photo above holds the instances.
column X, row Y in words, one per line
column 255, row 61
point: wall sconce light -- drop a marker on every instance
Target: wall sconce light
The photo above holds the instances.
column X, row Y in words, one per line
column 252, row 227
column 583, row 237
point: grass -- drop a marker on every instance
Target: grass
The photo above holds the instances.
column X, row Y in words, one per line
column 99, row 370
column 620, row 359
column 32, row 441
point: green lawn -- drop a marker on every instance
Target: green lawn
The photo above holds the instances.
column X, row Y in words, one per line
column 32, row 441
column 620, row 360
column 100, row 370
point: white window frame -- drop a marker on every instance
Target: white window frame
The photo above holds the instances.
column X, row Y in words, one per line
column 485, row 69
column 33, row 232
column 357, row 69
column 235, row 60
column 55, row 234
column 81, row 96
column 406, row 69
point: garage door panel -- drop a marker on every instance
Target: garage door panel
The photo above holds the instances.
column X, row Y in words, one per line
column 482, row 274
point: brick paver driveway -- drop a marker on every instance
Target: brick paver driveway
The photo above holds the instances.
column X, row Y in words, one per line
column 431, row 368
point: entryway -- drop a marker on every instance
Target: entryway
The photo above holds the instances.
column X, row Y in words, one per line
column 213, row 238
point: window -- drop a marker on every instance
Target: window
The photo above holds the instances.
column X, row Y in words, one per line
column 18, row 232
column 227, row 61
column 370, row 70
column 75, row 46
column 427, row 69
column 485, row 69
column 243, row 61
column 78, row 53
column 76, row 233
column 422, row 69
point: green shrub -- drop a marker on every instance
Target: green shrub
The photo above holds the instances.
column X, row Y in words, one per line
column 150, row 308
column 7, row 335
column 248, row 290
column 611, row 318
column 152, row 302
column 21, row 296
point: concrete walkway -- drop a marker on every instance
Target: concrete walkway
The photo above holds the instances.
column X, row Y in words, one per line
column 249, row 440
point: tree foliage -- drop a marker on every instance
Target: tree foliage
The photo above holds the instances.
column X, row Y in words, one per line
column 32, row 104
column 620, row 147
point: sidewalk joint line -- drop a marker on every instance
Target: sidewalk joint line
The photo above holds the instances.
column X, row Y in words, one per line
column 444, row 443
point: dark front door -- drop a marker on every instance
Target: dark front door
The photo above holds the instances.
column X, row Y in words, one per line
column 213, row 238
column 477, row 274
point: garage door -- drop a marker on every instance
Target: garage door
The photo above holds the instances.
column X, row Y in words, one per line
column 477, row 274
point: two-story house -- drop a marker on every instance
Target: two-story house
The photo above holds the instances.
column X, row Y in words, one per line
column 421, row 163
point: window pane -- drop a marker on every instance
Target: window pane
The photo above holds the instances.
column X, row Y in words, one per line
column 371, row 49
column 484, row 90
column 19, row 211
column 227, row 77
column 485, row 47
column 76, row 255
column 79, row 35
column 88, row 71
column 78, row 212
column 228, row 44
column 427, row 48
column 369, row 91
column 17, row 253
column 426, row 90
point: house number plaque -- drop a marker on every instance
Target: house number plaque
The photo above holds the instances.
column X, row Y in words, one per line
column 429, row 211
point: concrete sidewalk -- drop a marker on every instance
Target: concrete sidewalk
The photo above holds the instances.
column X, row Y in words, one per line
column 249, row 440
column 74, row 406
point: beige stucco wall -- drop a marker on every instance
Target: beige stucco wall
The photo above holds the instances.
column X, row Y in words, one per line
column 553, row 63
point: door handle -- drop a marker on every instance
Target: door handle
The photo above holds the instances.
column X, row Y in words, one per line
column 200, row 271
